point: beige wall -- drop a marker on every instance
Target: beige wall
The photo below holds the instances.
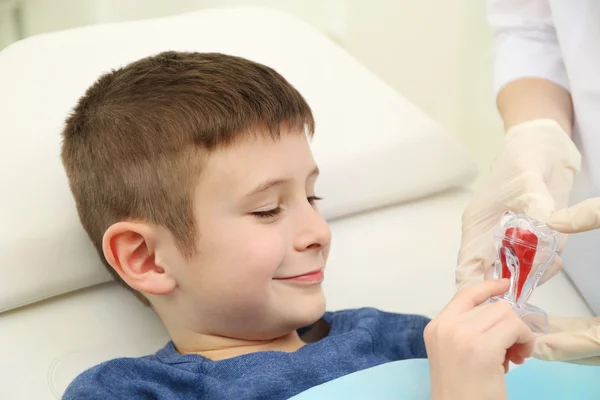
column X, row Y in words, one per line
column 48, row 15
column 438, row 54
column 434, row 52
column 9, row 30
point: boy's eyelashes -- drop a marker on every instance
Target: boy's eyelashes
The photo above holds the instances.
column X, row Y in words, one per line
column 275, row 211
column 313, row 199
column 267, row 213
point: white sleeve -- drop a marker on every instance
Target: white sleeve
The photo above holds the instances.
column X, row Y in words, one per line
column 525, row 42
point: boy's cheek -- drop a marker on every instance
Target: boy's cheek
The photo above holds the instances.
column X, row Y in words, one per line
column 261, row 254
column 247, row 269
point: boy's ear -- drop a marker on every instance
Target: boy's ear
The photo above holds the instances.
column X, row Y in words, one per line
column 130, row 248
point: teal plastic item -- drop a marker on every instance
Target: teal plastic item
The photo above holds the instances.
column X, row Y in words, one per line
column 409, row 379
column 553, row 381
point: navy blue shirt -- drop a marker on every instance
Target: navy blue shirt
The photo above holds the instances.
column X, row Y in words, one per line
column 358, row 339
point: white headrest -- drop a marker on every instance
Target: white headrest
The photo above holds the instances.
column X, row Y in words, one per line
column 373, row 146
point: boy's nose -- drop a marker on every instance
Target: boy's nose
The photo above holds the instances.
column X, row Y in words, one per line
column 314, row 233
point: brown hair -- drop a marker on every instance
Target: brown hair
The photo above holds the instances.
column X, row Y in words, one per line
column 132, row 147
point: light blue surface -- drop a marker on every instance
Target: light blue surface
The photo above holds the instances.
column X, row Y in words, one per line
column 409, row 379
column 553, row 381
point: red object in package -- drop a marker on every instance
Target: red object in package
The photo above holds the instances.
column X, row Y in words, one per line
column 522, row 243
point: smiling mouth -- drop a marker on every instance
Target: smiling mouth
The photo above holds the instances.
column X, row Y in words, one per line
column 310, row 277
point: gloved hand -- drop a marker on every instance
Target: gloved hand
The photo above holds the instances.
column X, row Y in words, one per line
column 572, row 340
column 533, row 174
column 577, row 339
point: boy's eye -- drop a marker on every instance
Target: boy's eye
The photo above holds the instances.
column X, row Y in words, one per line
column 275, row 211
column 313, row 199
column 267, row 213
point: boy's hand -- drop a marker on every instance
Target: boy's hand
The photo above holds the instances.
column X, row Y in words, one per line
column 469, row 344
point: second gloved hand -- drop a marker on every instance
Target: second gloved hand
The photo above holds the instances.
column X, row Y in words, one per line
column 573, row 340
column 533, row 174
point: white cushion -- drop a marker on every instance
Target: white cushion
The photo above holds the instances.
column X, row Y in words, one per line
column 399, row 259
column 373, row 146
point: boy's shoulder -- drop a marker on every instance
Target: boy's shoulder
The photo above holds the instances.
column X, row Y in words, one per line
column 113, row 378
column 395, row 336
column 373, row 318
column 133, row 377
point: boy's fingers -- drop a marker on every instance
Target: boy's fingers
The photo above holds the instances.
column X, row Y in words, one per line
column 485, row 317
column 519, row 352
column 524, row 350
column 472, row 296
column 512, row 333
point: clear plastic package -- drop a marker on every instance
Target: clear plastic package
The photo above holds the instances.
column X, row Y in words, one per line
column 525, row 248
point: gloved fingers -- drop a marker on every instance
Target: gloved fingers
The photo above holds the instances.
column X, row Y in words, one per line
column 570, row 324
column 562, row 242
column 581, row 217
column 482, row 214
column 591, row 361
column 535, row 199
column 476, row 260
column 552, row 270
column 469, row 272
column 560, row 184
column 557, row 263
column 568, row 346
column 481, row 217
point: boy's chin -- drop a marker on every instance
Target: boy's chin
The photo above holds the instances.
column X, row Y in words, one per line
column 309, row 310
column 288, row 315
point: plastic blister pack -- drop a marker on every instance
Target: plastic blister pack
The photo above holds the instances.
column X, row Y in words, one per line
column 525, row 248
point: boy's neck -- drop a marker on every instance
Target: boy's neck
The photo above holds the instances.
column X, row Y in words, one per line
column 220, row 348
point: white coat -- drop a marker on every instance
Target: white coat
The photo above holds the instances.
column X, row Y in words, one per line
column 559, row 40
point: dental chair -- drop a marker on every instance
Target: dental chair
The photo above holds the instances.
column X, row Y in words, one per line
column 394, row 182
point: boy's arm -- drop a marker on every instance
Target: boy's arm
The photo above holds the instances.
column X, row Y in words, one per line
column 470, row 345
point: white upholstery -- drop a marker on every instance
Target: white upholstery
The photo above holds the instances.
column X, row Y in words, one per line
column 398, row 259
column 373, row 146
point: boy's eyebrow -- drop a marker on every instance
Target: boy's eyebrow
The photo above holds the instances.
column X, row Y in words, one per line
column 264, row 186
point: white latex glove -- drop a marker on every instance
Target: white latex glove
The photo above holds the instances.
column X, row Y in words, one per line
column 572, row 340
column 577, row 340
column 533, row 174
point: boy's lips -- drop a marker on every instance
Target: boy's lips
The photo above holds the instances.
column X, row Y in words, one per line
column 309, row 277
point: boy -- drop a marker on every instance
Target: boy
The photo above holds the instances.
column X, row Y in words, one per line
column 194, row 179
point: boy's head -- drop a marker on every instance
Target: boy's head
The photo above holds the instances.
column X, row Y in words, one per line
column 194, row 179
